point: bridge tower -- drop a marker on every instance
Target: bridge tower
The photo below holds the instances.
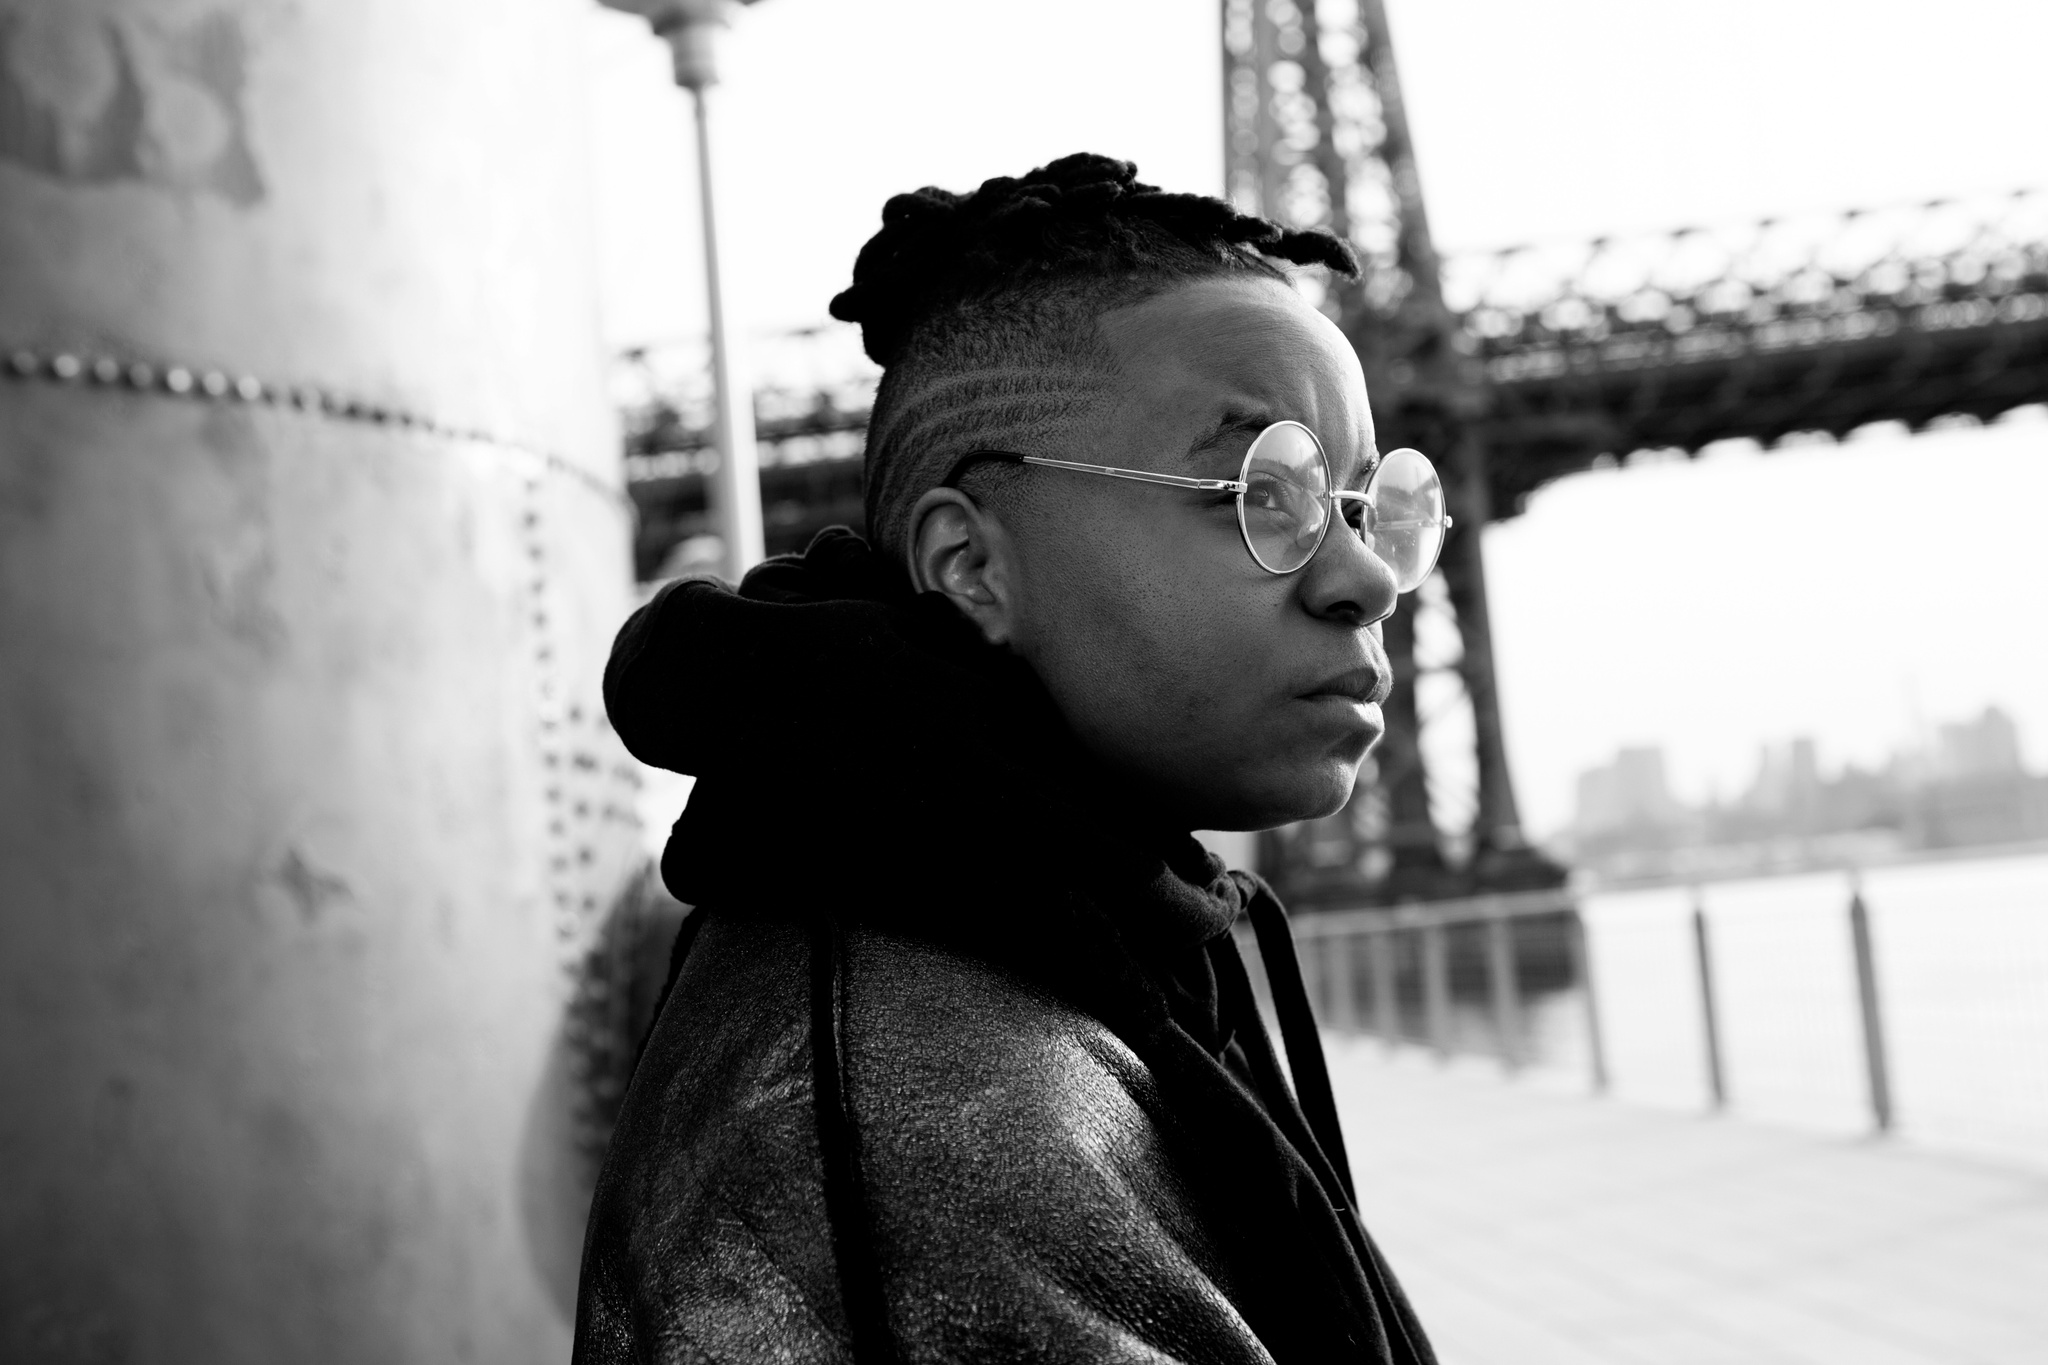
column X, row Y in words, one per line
column 1316, row 136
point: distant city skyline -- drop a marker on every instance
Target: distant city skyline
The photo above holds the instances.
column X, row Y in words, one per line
column 1964, row 784
column 1634, row 788
column 1852, row 592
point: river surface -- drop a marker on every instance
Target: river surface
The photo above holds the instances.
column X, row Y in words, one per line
column 1961, row 956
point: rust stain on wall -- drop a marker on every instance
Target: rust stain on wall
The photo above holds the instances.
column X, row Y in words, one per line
column 90, row 97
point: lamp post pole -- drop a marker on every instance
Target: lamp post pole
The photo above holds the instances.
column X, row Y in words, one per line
column 690, row 29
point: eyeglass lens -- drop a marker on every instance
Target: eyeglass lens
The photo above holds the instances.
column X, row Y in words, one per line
column 1285, row 508
column 1404, row 525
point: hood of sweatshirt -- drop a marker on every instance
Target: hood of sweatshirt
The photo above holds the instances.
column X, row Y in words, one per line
column 853, row 738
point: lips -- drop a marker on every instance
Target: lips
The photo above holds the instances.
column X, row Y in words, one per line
column 1366, row 686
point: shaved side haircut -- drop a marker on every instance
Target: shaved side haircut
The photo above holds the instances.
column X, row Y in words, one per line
column 982, row 310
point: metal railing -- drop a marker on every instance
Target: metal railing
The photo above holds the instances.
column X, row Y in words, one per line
column 1869, row 1020
column 1504, row 975
column 1909, row 997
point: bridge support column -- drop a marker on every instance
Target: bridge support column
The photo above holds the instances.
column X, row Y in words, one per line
column 1417, row 870
column 1502, row 857
column 308, row 563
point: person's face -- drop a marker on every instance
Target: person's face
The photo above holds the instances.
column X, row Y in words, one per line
column 1239, row 699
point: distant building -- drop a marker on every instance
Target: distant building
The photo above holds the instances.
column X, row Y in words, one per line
column 1632, row 792
column 1988, row 746
column 1981, row 792
column 1787, row 780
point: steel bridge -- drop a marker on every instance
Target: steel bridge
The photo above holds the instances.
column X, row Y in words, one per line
column 1590, row 351
column 1911, row 315
column 1514, row 367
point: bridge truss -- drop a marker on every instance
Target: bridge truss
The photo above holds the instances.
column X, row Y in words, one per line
column 1513, row 367
column 1912, row 315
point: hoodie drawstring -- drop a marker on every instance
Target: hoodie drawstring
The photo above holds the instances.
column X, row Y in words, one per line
column 1305, row 1061
column 846, row 1207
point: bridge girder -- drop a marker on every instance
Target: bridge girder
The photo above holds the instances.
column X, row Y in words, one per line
column 1679, row 340
column 1573, row 373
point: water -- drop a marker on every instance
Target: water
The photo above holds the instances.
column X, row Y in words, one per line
column 1961, row 954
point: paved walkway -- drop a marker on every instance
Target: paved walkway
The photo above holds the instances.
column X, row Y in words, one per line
column 1540, row 1228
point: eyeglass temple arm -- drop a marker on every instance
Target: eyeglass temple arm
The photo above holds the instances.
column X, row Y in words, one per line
column 1141, row 475
column 1204, row 485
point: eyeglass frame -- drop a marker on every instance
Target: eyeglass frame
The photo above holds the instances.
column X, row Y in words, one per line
column 1238, row 486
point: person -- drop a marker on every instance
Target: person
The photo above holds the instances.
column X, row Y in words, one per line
column 960, row 1060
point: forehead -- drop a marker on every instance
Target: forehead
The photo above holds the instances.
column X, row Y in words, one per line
column 1223, row 350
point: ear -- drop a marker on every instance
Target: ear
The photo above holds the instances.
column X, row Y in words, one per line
column 959, row 549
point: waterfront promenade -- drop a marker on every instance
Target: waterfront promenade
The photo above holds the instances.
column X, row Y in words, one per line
column 1534, row 1226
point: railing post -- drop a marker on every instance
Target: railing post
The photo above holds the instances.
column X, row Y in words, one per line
column 1582, row 972
column 1386, row 1006
column 1500, row 973
column 1709, row 1020
column 1873, row 1019
column 1339, row 980
column 1436, row 988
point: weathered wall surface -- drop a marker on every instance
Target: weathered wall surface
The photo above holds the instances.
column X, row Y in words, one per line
column 308, row 561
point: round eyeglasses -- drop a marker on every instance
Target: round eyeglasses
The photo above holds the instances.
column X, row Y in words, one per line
column 1286, row 501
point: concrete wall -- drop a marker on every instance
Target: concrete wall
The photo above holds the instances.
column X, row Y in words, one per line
column 306, row 803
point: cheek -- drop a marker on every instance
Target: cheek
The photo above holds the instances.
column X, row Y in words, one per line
column 1154, row 630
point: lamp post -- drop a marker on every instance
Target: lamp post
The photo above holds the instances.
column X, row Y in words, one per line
column 690, row 29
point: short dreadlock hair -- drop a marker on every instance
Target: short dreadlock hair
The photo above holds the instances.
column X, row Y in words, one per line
column 982, row 308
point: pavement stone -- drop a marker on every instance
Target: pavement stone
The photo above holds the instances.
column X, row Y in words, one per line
column 1536, row 1226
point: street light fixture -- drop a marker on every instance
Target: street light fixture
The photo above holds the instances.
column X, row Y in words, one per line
column 690, row 27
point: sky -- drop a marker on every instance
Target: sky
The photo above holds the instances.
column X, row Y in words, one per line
column 1709, row 607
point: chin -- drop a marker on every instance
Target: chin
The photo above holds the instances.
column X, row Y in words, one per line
column 1284, row 798
column 1330, row 796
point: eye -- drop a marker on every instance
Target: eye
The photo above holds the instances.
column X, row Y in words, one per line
column 1265, row 493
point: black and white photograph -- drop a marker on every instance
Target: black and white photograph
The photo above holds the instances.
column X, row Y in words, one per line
column 952, row 682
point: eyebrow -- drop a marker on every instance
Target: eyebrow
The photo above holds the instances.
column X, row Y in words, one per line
column 1249, row 420
column 1252, row 421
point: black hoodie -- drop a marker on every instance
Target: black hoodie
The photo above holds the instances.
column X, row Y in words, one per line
column 961, row 1061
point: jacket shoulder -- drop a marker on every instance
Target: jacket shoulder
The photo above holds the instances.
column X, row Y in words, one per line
column 701, row 1242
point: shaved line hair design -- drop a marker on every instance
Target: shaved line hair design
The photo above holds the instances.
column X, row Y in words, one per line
column 982, row 309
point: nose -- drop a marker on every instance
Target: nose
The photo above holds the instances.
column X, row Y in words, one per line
column 1346, row 583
